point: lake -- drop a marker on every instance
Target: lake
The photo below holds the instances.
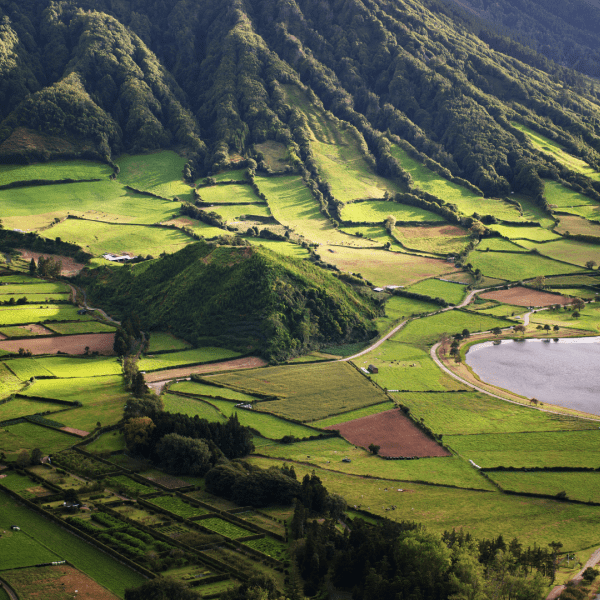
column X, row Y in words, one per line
column 566, row 373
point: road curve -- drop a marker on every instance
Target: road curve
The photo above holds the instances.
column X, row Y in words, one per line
column 378, row 343
column 8, row 590
column 592, row 561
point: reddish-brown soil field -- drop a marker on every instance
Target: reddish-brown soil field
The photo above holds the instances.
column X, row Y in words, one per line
column 391, row 430
column 69, row 266
column 56, row 583
column 70, row 344
column 250, row 362
column 520, row 296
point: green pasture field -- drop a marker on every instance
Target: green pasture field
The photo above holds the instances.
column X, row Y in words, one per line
column 377, row 211
column 382, row 267
column 26, row 368
column 198, row 227
column 453, row 293
column 16, row 316
column 21, row 407
column 373, row 233
column 160, row 173
column 35, row 288
column 98, row 238
column 577, row 226
column 184, row 357
column 588, row 321
column 239, row 215
column 445, row 239
column 99, row 566
column 467, row 413
column 230, row 193
column 204, row 389
column 530, row 520
column 9, row 382
column 314, row 357
column 563, row 197
column 122, row 482
column 354, row 414
column 569, row 251
column 328, row 454
column 531, row 449
column 533, row 212
column 275, row 154
column 398, row 308
column 68, row 367
column 191, row 407
column 520, row 266
column 19, row 331
column 285, row 248
column 536, row 234
column 37, row 298
column 500, row 245
column 55, row 170
column 405, row 367
column 552, row 148
column 20, row 484
column 584, row 293
column 426, row 332
column 80, row 327
column 574, row 280
column 590, row 212
column 34, row 207
column 269, row 546
column 231, row 175
column 177, row 506
column 26, row 436
column 501, row 310
column 225, row 528
column 18, row 279
column 161, row 341
column 578, row 486
column 112, row 441
column 18, row 549
column 268, row 426
column 308, row 392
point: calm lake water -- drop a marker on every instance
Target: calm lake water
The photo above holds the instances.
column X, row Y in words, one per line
column 566, row 373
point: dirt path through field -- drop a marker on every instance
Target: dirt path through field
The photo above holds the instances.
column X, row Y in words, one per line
column 8, row 590
column 592, row 561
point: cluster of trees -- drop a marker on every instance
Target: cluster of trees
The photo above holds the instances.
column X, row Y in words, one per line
column 127, row 333
column 46, row 267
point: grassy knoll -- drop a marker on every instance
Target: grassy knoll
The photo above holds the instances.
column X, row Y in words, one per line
column 499, row 245
column 161, row 341
column 453, row 293
column 231, row 175
column 160, row 173
column 532, row 449
column 65, row 366
column 376, row 211
column 285, row 248
column 444, row 239
column 569, row 251
column 26, row 208
column 308, row 392
column 382, row 267
column 26, row 436
column 21, row 407
column 98, row 238
column 204, row 389
column 530, row 520
column 184, row 357
column 15, row 316
column 191, row 407
column 354, row 414
column 55, row 170
column 398, row 308
column 578, row 486
column 588, row 321
column 536, row 234
column 520, row 266
column 458, row 413
column 99, row 566
column 229, row 193
column 108, row 442
column 562, row 197
column 80, row 327
column 328, row 454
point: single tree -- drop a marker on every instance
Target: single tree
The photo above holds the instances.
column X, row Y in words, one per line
column 590, row 264
column 374, row 448
column 32, row 267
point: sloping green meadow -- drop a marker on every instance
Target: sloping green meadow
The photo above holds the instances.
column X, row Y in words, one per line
column 55, row 170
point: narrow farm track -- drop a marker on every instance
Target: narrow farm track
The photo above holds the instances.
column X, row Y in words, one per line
column 592, row 561
column 74, row 291
column 8, row 590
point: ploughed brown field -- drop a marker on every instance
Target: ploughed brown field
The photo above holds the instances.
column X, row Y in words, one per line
column 70, row 344
column 395, row 433
column 70, row 266
column 520, row 296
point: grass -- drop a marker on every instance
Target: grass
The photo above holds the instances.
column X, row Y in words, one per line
column 26, row 368
column 585, row 211
column 122, row 482
column 309, row 392
column 55, row 170
column 376, row 211
column 15, row 316
column 502, row 310
column 373, row 233
column 570, row 251
column 520, row 266
column 444, row 239
column 161, row 341
column 577, row 226
column 20, row 484
column 588, row 321
column 204, row 389
column 184, row 357
column 533, row 212
column 19, row 550
column 35, row 288
column 80, row 327
column 585, row 293
column 231, row 175
column 230, row 193
column 284, row 248
column 239, row 215
column 37, row 298
column 18, row 331
column 191, row 407
column 354, row 414
column 499, row 245
column 177, row 506
column 21, row 407
column 68, row 367
column 462, row 413
column 17, row 278
column 398, row 308
column 26, row 436
column 225, row 528
column 108, row 442
column 531, row 449
column 562, row 197
column 99, row 566
column 453, row 293
column 578, row 486
column 269, row 546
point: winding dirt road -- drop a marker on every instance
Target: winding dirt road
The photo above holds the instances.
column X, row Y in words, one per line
column 592, row 561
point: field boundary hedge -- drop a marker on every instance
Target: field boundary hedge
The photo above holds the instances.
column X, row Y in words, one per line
column 40, row 182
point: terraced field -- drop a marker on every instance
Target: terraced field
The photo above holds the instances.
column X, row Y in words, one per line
column 376, row 211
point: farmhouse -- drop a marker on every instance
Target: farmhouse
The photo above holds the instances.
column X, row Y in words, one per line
column 373, row 369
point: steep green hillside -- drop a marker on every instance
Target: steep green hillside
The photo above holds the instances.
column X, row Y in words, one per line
column 247, row 298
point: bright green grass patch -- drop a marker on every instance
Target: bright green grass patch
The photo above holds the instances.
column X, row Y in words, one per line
column 21, row 407
column 562, row 197
column 229, row 193
column 185, row 357
column 35, row 288
column 578, row 486
column 536, row 234
column 122, row 482
column 269, row 547
column 112, row 441
column 238, row 215
column 98, row 238
column 445, row 239
column 570, row 251
column 309, row 392
column 177, row 506
column 225, row 528
column 376, row 211
column 19, row 484
column 552, row 148
column 354, row 414
column 55, row 170
column 191, row 407
column 443, row 508
column 532, row 449
column 573, row 280
column 471, row 412
column 20, row 278
column 204, row 389
column 584, row 293
column 285, row 248
column 374, row 233
column 99, row 566
column 518, row 266
column 499, row 245
column 160, row 173
column 26, row 436
column 14, row 316
column 267, row 425
column 231, row 175
column 398, row 307
column 9, row 382
column 161, row 341
column 405, row 367
column 586, row 212
column 502, row 310
column 68, row 367
column 533, row 212
column 588, row 321
column 18, row 550
column 82, row 327
column 26, row 368
column 328, row 454
column 453, row 293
